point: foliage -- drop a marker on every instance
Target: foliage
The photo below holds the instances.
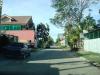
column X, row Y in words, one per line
column 42, row 34
column 50, row 42
column 58, row 41
column 88, row 23
column 92, row 57
column 73, row 37
column 98, row 21
column 69, row 14
column 69, row 11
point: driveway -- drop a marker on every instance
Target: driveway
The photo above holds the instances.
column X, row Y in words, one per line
column 48, row 62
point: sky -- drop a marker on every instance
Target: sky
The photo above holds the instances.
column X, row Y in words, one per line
column 40, row 10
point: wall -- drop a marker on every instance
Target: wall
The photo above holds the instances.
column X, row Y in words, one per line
column 23, row 35
column 92, row 45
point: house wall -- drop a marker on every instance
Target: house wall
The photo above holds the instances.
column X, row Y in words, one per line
column 24, row 36
column 92, row 45
column 62, row 42
column 92, row 41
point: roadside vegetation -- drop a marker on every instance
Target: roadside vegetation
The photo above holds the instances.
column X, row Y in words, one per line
column 92, row 57
column 70, row 16
column 44, row 40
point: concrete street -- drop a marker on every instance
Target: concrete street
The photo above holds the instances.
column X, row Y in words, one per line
column 48, row 62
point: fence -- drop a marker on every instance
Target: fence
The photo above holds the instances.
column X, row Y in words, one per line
column 92, row 45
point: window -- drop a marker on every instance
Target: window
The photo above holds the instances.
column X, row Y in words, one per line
column 91, row 36
column 95, row 34
column 98, row 34
column 10, row 27
column 86, row 36
column 0, row 27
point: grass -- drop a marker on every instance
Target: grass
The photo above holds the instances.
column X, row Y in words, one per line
column 92, row 57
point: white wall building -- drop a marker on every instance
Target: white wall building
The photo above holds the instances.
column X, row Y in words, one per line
column 92, row 41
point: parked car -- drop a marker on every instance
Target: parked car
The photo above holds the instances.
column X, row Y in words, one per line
column 31, row 45
column 17, row 50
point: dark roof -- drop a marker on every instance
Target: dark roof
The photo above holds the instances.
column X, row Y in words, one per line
column 16, row 20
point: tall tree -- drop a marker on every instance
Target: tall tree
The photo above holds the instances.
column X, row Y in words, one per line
column 42, row 34
column 88, row 23
column 50, row 42
column 69, row 14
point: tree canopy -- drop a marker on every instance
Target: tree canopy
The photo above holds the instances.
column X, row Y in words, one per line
column 88, row 23
column 69, row 11
column 42, row 34
column 69, row 14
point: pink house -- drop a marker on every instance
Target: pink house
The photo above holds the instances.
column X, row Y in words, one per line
column 20, row 26
column 23, row 35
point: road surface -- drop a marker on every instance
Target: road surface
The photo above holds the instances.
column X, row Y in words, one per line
column 48, row 62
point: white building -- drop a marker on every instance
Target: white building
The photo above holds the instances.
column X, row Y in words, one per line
column 62, row 39
column 92, row 41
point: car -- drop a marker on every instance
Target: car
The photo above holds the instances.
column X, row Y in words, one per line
column 30, row 45
column 17, row 50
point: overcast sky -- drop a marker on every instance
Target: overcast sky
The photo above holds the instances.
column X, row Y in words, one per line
column 40, row 10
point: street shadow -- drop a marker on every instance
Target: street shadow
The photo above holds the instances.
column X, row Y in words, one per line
column 28, row 69
column 22, row 67
column 52, row 54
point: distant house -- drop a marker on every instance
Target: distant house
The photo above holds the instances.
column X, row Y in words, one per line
column 62, row 39
column 20, row 26
column 92, row 41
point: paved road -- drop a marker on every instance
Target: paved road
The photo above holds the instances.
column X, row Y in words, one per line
column 48, row 62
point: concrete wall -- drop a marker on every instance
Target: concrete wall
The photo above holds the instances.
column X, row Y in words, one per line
column 92, row 45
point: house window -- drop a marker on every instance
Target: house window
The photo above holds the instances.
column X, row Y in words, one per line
column 15, row 27
column 91, row 35
column 95, row 34
column 86, row 36
column 1, row 27
column 10, row 27
column 5, row 28
column 99, row 33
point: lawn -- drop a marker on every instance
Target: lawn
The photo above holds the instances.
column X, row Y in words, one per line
column 92, row 57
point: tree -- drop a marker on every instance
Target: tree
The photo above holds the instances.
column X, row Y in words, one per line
column 69, row 11
column 42, row 34
column 69, row 14
column 98, row 21
column 50, row 42
column 58, row 41
column 88, row 23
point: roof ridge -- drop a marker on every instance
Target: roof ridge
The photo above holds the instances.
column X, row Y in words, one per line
column 20, row 19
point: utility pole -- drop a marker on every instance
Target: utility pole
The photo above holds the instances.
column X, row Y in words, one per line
column 1, row 2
